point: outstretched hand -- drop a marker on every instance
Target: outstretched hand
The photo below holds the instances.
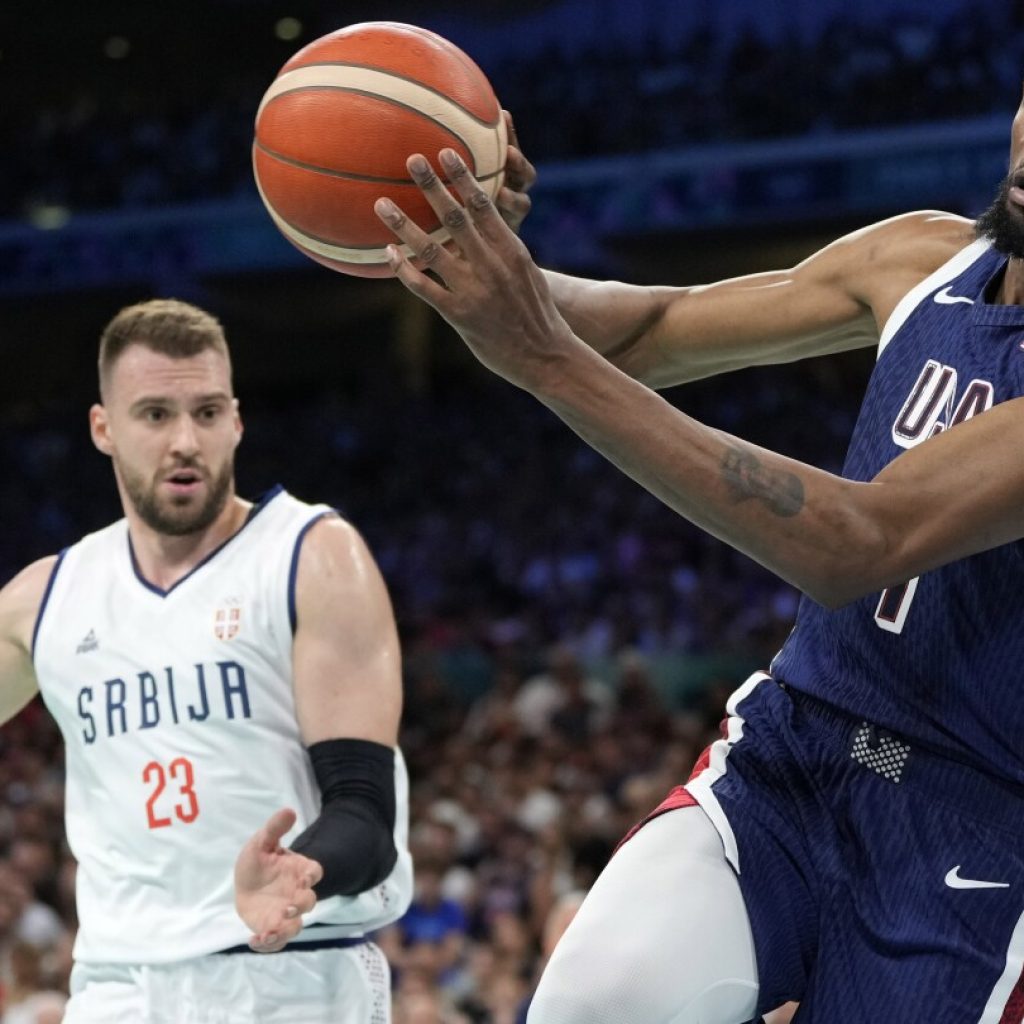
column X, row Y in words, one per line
column 274, row 885
column 490, row 289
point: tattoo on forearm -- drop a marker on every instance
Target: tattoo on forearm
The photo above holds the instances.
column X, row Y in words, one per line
column 780, row 491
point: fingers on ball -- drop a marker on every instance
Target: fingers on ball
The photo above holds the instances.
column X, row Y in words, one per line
column 430, row 253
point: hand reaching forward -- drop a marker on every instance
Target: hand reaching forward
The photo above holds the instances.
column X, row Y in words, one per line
column 492, row 293
column 274, row 886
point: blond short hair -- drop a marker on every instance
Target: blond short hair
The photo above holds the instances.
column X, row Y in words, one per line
column 169, row 326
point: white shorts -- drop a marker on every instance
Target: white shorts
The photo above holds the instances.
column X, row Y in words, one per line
column 323, row 986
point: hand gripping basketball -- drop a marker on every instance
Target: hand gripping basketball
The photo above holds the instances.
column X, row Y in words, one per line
column 336, row 124
column 493, row 293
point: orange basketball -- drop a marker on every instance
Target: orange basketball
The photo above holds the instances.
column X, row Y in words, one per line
column 338, row 122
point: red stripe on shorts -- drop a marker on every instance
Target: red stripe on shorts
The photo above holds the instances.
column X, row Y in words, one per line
column 678, row 797
column 1013, row 1012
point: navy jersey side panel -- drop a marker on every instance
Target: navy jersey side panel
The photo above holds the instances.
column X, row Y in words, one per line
column 941, row 659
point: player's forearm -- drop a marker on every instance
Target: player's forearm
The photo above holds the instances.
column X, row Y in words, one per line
column 613, row 318
column 665, row 336
column 795, row 520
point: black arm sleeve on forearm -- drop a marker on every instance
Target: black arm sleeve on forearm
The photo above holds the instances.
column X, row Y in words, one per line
column 353, row 839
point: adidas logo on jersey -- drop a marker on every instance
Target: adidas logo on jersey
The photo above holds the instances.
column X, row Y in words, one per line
column 89, row 643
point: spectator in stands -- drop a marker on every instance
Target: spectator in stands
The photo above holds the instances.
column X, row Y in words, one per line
column 562, row 687
column 430, row 939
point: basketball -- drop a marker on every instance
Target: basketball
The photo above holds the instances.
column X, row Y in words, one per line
column 337, row 124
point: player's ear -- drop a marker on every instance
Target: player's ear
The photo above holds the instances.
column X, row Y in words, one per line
column 239, row 425
column 99, row 429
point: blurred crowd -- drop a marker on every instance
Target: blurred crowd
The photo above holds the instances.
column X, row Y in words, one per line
column 549, row 611
column 183, row 138
column 855, row 74
column 568, row 642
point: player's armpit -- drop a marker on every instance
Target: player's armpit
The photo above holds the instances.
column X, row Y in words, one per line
column 346, row 656
column 20, row 603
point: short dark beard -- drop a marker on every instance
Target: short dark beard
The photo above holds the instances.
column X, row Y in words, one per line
column 1001, row 225
column 144, row 501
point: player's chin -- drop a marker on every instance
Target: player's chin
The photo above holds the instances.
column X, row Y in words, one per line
column 186, row 502
column 181, row 517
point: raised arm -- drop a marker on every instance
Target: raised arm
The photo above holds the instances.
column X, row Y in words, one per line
column 20, row 601
column 834, row 539
column 835, row 300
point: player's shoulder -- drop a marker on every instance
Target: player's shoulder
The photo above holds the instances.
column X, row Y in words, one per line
column 331, row 534
column 882, row 262
column 22, row 598
column 922, row 239
column 960, row 230
column 278, row 509
column 32, row 581
column 335, row 555
column 337, row 573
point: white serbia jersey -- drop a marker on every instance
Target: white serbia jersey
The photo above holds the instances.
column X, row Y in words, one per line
column 178, row 718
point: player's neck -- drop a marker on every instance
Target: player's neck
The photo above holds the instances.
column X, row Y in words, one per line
column 1011, row 291
column 163, row 560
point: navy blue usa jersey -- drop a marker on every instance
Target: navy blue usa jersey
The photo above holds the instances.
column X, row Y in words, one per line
column 941, row 658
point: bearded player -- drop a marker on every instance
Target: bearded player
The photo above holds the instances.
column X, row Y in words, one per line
column 853, row 840
column 209, row 659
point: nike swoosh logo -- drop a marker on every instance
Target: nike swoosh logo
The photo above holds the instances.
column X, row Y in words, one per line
column 954, row 881
column 944, row 298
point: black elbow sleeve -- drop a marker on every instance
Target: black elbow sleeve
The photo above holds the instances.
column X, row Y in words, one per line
column 353, row 839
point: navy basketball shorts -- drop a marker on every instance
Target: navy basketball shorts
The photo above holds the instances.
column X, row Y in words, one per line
column 883, row 883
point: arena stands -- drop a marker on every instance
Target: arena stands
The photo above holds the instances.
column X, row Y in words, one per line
column 563, row 670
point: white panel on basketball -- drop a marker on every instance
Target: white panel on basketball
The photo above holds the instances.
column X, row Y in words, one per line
column 338, row 252
column 482, row 140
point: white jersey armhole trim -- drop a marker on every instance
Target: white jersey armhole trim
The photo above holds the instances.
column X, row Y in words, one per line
column 293, row 568
column 950, row 269
column 45, row 601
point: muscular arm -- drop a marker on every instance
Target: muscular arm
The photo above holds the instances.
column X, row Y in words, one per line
column 346, row 658
column 347, row 681
column 348, row 700
column 835, row 300
column 20, row 601
column 833, row 538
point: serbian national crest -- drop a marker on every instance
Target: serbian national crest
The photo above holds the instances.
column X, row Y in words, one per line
column 227, row 619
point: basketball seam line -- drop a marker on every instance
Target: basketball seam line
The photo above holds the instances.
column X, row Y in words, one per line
column 352, row 248
column 334, row 243
column 383, row 71
column 352, row 175
column 337, row 245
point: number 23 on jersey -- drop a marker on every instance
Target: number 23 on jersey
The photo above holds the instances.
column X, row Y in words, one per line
column 179, row 800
